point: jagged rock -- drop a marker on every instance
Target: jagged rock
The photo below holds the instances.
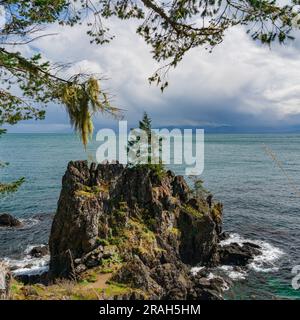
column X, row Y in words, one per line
column 174, row 281
column 39, row 251
column 93, row 258
column 6, row 220
column 238, row 255
column 157, row 225
column 137, row 275
column 224, row 236
column 180, row 188
column 80, row 268
column 91, row 207
column 109, row 251
column 206, row 288
column 75, row 225
column 199, row 240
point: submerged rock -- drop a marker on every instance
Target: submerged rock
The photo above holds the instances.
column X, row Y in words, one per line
column 6, row 220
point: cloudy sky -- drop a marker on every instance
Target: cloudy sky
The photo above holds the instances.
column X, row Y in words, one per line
column 240, row 86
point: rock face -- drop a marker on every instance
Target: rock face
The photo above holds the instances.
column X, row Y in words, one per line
column 151, row 223
column 6, row 220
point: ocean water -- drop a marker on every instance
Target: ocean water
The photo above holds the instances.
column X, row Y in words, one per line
column 260, row 197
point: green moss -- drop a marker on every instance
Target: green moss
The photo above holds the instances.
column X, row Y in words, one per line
column 84, row 282
column 150, row 222
column 107, row 270
column 92, row 277
column 193, row 211
column 123, row 206
column 216, row 212
column 90, row 192
column 81, row 193
column 174, row 231
column 116, row 240
column 119, row 214
column 115, row 288
column 139, row 238
column 102, row 242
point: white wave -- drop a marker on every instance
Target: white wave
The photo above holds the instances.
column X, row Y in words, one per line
column 28, row 265
column 234, row 274
column 195, row 270
column 211, row 276
column 28, row 223
column 266, row 261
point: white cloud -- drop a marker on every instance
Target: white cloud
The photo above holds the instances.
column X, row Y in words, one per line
column 238, row 79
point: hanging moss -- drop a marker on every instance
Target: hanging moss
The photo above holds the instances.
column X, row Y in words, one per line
column 82, row 101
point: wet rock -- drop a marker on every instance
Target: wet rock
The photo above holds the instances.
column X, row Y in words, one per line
column 206, row 288
column 224, row 236
column 6, row 220
column 39, row 251
column 238, row 255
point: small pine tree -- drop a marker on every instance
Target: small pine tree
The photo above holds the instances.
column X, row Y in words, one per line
column 145, row 152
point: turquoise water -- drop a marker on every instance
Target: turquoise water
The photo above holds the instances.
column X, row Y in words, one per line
column 259, row 201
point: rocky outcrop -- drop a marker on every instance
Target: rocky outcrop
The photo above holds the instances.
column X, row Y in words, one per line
column 150, row 224
column 39, row 251
column 6, row 220
column 238, row 254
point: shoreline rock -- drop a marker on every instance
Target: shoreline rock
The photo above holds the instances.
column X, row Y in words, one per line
column 238, row 255
column 7, row 220
column 39, row 251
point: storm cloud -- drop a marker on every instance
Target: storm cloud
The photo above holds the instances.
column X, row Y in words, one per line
column 241, row 84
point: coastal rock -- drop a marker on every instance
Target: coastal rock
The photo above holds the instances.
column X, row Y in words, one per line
column 200, row 241
column 174, row 281
column 224, row 236
column 137, row 275
column 206, row 288
column 149, row 225
column 75, row 226
column 180, row 188
column 39, row 251
column 6, row 220
column 238, row 255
